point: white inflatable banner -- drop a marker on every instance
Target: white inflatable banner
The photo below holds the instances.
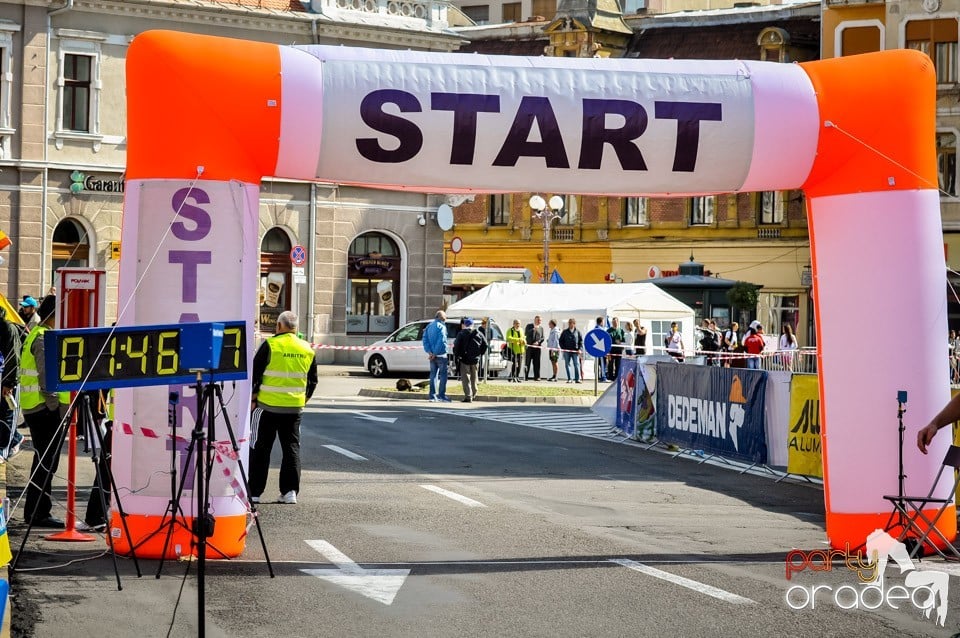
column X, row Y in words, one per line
column 441, row 126
column 196, row 250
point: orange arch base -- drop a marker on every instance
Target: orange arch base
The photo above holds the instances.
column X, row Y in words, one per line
column 862, row 525
column 228, row 540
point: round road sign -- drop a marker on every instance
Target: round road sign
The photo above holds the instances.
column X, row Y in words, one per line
column 456, row 245
column 298, row 256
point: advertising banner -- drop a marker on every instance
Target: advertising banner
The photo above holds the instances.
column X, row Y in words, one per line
column 803, row 448
column 627, row 384
column 717, row 410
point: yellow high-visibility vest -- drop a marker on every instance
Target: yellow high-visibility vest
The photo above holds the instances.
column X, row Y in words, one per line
column 30, row 396
column 284, row 382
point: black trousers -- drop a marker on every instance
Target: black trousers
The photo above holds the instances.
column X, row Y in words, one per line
column 47, row 438
column 101, row 484
column 269, row 426
column 532, row 356
column 613, row 363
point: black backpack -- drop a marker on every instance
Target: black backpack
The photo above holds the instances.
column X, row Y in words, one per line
column 474, row 346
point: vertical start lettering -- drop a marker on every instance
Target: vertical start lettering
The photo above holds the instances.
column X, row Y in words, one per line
column 190, row 260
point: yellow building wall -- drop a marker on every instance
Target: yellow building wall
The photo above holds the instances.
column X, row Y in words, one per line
column 774, row 265
column 576, row 263
column 832, row 17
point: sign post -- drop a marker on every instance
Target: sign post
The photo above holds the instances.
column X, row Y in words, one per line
column 298, row 257
column 597, row 343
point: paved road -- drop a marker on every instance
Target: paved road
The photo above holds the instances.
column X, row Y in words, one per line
column 479, row 526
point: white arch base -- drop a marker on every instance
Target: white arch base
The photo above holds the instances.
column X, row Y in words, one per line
column 203, row 267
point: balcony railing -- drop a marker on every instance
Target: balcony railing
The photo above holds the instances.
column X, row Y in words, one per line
column 425, row 12
column 563, row 234
column 843, row 3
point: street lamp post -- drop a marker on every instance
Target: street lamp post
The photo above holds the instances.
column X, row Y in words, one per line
column 546, row 215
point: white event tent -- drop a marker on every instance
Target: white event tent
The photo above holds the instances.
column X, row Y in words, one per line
column 506, row 301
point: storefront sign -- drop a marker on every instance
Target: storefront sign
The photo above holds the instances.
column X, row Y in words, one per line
column 373, row 264
column 81, row 183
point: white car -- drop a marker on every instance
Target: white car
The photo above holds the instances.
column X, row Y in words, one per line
column 414, row 359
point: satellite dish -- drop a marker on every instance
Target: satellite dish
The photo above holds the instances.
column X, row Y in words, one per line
column 445, row 217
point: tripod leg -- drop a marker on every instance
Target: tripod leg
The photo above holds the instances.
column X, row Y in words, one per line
column 243, row 477
column 191, row 449
column 40, row 465
column 112, row 485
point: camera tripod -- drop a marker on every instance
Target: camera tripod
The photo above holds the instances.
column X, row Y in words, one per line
column 202, row 443
column 94, row 438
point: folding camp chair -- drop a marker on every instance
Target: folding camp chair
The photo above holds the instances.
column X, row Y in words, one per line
column 916, row 527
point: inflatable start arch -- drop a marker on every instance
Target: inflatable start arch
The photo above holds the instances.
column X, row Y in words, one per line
column 208, row 118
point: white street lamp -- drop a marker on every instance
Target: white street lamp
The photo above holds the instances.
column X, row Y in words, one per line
column 546, row 216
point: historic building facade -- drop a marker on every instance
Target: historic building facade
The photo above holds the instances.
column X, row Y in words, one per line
column 755, row 237
column 63, row 147
column 859, row 26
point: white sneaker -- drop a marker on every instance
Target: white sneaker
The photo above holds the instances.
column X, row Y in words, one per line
column 290, row 498
column 254, row 499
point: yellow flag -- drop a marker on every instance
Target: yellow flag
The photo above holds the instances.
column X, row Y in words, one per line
column 5, row 555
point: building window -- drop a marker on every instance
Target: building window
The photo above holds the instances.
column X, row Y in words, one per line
column 773, row 43
column 635, row 211
column 947, row 163
column 701, row 210
column 571, row 210
column 79, row 82
column 373, row 284
column 76, row 92
column 71, row 246
column 6, row 85
column 769, row 208
column 784, row 309
column 479, row 13
column 545, row 8
column 938, row 39
column 861, row 39
column 511, row 12
column 275, row 278
column 634, row 6
column 499, row 210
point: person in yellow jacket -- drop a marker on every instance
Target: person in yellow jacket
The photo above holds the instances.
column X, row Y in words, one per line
column 45, row 414
column 284, row 378
column 516, row 345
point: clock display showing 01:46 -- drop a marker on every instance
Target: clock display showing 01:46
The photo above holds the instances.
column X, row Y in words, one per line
column 137, row 354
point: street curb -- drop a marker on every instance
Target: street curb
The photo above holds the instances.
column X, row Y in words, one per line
column 417, row 396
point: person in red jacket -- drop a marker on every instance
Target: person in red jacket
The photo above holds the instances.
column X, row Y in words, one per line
column 753, row 343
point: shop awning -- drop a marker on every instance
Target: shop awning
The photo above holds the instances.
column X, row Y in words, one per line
column 480, row 276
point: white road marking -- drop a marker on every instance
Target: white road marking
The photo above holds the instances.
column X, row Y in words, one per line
column 683, row 582
column 381, row 585
column 370, row 417
column 345, row 452
column 469, row 502
column 582, row 423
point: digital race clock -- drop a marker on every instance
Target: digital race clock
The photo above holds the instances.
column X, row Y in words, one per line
column 122, row 357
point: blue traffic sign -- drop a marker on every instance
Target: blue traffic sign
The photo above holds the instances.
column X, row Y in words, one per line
column 298, row 255
column 597, row 343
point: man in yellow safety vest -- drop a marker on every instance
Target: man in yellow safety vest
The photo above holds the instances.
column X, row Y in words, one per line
column 45, row 414
column 284, row 378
